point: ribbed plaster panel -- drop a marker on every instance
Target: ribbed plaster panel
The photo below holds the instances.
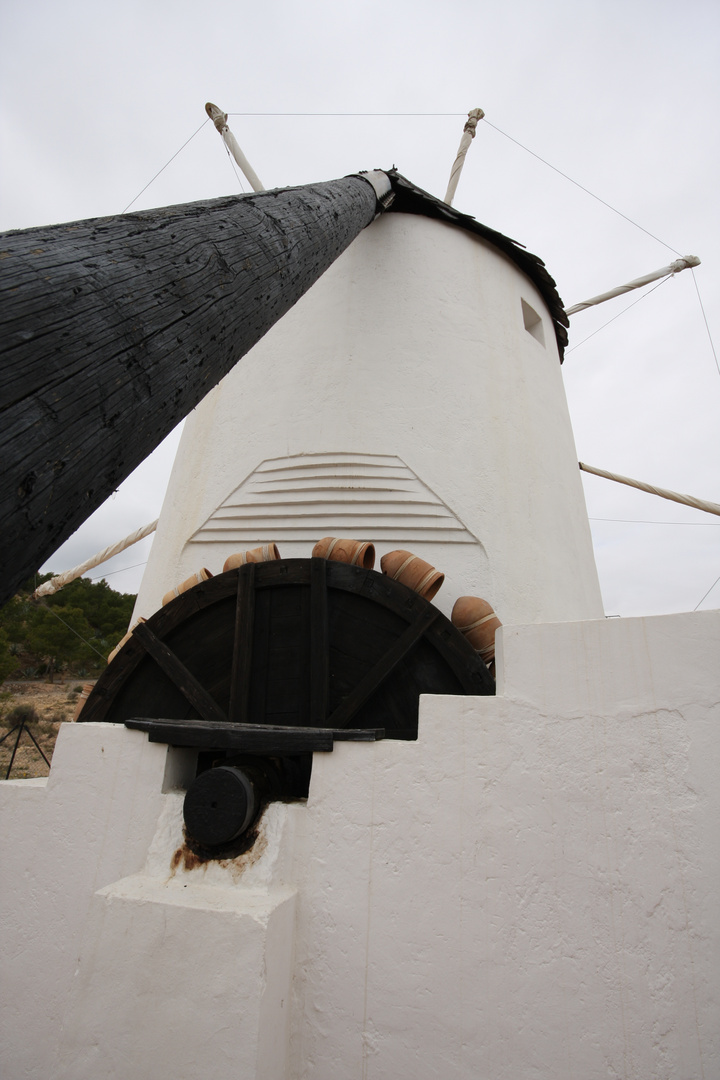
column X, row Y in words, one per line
column 412, row 345
column 528, row 890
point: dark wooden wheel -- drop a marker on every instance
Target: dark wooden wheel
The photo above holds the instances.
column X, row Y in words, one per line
column 297, row 643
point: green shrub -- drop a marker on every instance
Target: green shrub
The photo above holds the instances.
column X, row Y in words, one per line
column 22, row 713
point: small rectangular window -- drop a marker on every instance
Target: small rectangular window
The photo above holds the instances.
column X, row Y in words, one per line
column 533, row 322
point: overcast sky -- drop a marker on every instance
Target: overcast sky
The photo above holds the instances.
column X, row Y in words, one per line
column 622, row 97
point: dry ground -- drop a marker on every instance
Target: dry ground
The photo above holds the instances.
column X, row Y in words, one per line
column 53, row 703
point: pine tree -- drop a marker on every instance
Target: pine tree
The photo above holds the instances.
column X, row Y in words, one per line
column 75, row 628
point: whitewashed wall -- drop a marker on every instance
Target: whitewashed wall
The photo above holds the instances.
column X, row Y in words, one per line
column 402, row 400
column 528, row 890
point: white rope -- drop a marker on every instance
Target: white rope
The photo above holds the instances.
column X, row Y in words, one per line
column 478, row 622
column 420, row 587
column 52, row 586
column 219, row 119
column 467, row 137
column 687, row 500
column 674, row 268
column 410, row 558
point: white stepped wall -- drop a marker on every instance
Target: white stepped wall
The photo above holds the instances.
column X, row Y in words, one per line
column 528, row 890
column 403, row 401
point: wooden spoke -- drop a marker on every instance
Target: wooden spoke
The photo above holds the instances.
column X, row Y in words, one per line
column 377, row 675
column 243, row 644
column 188, row 685
column 319, row 659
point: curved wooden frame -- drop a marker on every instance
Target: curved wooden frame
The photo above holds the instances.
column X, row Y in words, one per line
column 421, row 621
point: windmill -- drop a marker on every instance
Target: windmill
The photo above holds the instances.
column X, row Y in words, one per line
column 386, row 883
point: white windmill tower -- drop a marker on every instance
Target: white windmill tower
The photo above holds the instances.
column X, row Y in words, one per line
column 412, row 398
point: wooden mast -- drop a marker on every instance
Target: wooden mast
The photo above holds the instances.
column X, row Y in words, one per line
column 113, row 329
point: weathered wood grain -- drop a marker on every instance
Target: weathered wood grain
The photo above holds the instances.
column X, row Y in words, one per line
column 113, row 329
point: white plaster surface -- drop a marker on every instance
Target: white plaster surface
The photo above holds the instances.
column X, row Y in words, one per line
column 117, row 963
column 533, row 885
column 529, row 890
column 62, row 840
column 412, row 346
column 185, row 973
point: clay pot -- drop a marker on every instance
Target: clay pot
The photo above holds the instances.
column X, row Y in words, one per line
column 354, row 552
column 265, row 553
column 478, row 622
column 188, row 583
column 82, row 698
column 122, row 640
column 411, row 571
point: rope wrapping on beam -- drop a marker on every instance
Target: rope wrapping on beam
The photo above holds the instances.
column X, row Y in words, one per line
column 56, row 583
column 467, row 137
column 219, row 119
column 675, row 267
column 664, row 493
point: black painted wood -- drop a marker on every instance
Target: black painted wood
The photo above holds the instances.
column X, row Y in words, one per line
column 385, row 646
column 220, row 804
column 113, row 329
column 319, row 659
column 377, row 675
column 243, row 644
column 357, row 734
column 188, row 685
column 247, row 738
column 275, row 741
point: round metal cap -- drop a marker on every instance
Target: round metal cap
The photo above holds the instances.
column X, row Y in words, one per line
column 219, row 805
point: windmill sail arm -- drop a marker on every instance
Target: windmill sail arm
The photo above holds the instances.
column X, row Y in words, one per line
column 684, row 263
column 114, row 329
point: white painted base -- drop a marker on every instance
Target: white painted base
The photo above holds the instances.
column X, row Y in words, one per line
column 196, row 976
column 529, row 890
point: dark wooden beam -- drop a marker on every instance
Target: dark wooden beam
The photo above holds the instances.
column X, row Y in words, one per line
column 187, row 684
column 383, row 668
column 243, row 644
column 319, row 642
column 113, row 329
column 249, row 738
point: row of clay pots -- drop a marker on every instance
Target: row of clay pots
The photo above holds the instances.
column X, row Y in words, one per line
column 264, row 553
column 399, row 565
column 471, row 615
